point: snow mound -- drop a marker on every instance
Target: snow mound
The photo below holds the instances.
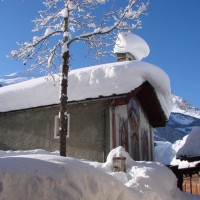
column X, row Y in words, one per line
column 191, row 148
column 133, row 44
column 142, row 177
column 101, row 80
column 164, row 152
column 169, row 154
column 119, row 152
column 39, row 174
column 49, row 177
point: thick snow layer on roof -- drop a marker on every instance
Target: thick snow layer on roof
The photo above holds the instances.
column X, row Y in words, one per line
column 191, row 148
column 133, row 44
column 90, row 82
column 39, row 174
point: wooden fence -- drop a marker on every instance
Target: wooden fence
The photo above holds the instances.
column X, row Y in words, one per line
column 188, row 179
column 191, row 184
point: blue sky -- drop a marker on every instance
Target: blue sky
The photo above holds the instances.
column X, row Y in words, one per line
column 172, row 30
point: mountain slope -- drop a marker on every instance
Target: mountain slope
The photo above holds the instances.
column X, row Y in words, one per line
column 183, row 107
column 183, row 118
column 17, row 77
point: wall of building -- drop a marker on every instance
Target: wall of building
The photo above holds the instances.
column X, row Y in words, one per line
column 89, row 128
column 34, row 129
column 131, row 129
column 95, row 129
column 29, row 129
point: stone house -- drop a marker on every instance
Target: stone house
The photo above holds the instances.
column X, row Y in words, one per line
column 109, row 105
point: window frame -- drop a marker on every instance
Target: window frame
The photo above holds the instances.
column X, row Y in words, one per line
column 56, row 126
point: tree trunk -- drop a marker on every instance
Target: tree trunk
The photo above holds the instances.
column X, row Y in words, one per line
column 63, row 94
column 63, row 104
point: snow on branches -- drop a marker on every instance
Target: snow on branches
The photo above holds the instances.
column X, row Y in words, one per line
column 95, row 22
column 64, row 22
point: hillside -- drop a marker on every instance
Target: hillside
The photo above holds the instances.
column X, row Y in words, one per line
column 16, row 78
column 183, row 117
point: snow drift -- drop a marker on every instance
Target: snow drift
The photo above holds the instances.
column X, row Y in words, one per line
column 42, row 175
column 169, row 154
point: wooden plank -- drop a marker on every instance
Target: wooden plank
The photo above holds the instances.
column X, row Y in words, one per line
column 198, row 188
column 184, row 187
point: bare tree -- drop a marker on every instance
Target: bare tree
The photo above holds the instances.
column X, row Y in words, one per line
column 64, row 22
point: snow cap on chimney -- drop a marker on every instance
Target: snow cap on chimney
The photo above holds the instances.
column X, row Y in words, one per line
column 130, row 46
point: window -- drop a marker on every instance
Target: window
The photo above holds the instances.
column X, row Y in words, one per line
column 56, row 127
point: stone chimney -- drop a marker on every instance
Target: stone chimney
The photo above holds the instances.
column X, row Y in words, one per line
column 125, row 57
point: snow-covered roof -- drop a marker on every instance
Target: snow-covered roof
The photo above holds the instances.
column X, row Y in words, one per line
column 90, row 82
column 133, row 44
column 191, row 148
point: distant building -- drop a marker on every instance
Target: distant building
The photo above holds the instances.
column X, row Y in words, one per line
column 109, row 105
column 188, row 171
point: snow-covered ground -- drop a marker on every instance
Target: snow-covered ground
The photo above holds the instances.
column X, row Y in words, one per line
column 39, row 174
column 166, row 152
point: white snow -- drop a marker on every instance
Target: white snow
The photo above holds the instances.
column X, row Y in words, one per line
column 64, row 48
column 92, row 25
column 192, row 144
column 36, row 39
column 166, row 153
column 182, row 120
column 13, row 80
column 17, row 77
column 181, row 106
column 133, row 44
column 64, row 12
column 90, row 82
column 38, row 174
column 48, row 32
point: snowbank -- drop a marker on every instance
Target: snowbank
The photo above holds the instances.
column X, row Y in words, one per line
column 167, row 153
column 49, row 177
column 133, row 44
column 164, row 152
column 142, row 177
column 90, row 82
column 42, row 175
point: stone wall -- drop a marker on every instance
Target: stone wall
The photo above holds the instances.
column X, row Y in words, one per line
column 88, row 128
column 28, row 129
column 34, row 129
